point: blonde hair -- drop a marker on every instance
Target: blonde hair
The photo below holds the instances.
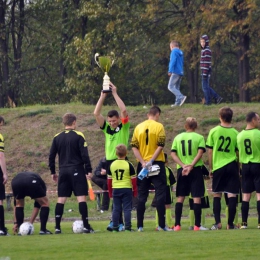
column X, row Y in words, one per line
column 191, row 123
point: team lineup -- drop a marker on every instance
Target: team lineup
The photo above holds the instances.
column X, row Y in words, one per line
column 233, row 165
column 233, row 159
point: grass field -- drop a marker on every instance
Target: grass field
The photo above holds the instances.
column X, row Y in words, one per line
column 28, row 134
column 150, row 244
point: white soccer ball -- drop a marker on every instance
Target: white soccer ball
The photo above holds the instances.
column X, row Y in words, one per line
column 77, row 227
column 26, row 229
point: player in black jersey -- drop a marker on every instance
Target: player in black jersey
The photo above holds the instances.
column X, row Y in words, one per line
column 30, row 184
column 74, row 169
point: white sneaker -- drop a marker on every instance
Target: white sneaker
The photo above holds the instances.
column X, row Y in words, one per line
column 183, row 100
column 174, row 105
column 203, row 228
column 140, row 229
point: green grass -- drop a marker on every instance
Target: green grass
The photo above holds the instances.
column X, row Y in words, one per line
column 28, row 134
column 221, row 244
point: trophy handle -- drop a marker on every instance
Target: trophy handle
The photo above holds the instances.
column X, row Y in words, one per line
column 96, row 55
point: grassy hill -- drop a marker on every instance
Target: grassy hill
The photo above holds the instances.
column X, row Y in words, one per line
column 28, row 131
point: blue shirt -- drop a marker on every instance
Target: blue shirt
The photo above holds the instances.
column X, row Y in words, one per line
column 176, row 62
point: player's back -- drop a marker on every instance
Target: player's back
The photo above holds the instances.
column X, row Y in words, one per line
column 223, row 141
column 147, row 136
column 248, row 142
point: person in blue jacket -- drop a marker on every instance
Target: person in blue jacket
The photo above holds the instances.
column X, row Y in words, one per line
column 175, row 72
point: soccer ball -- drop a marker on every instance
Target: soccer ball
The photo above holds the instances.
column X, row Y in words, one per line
column 26, row 229
column 77, row 227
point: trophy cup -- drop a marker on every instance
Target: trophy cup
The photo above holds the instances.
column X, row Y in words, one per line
column 105, row 63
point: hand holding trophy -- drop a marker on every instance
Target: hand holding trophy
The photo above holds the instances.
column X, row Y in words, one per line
column 105, row 63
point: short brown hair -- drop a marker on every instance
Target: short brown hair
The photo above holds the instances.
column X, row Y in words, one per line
column 154, row 110
column 112, row 113
column 68, row 119
column 121, row 150
column 226, row 114
column 191, row 123
column 249, row 117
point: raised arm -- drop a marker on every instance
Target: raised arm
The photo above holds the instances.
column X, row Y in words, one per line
column 119, row 101
column 97, row 112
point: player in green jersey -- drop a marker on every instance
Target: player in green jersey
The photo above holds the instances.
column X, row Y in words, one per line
column 121, row 185
column 248, row 142
column 223, row 166
column 115, row 129
column 187, row 150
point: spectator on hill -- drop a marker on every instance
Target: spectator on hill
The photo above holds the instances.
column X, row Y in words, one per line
column 205, row 66
column 175, row 72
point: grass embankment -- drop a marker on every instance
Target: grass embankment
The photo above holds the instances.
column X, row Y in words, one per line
column 29, row 131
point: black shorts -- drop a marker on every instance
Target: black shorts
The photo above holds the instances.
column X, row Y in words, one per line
column 226, row 179
column 158, row 181
column 190, row 184
column 251, row 177
column 2, row 187
column 204, row 203
column 28, row 184
column 72, row 179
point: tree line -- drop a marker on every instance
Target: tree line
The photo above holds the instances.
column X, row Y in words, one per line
column 47, row 49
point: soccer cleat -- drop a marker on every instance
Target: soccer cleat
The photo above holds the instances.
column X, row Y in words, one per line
column 201, row 228
column 177, row 228
column 164, row 229
column 232, row 226
column 243, row 225
column 57, row 231
column 46, row 232
column 88, row 230
column 183, row 100
column 215, row 227
column 218, row 100
column 121, row 227
column 110, row 226
column 140, row 229
column 174, row 105
column 4, row 232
